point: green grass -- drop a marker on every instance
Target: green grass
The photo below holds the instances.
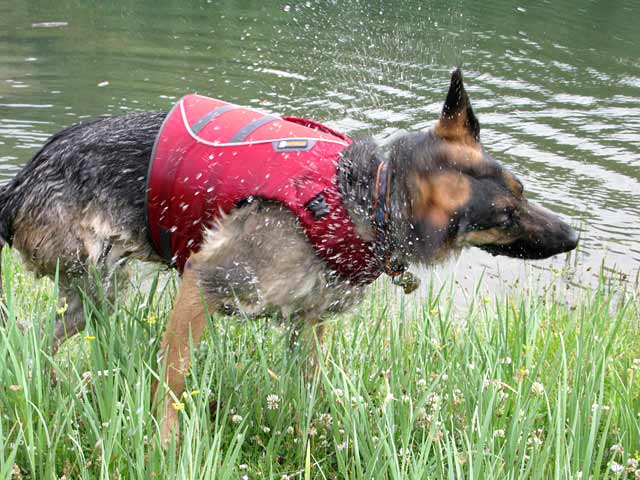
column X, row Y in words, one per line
column 511, row 387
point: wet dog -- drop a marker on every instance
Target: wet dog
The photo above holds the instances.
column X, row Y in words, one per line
column 79, row 205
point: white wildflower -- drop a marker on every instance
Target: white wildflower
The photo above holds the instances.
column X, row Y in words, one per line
column 616, row 448
column 617, row 467
column 325, row 419
column 434, row 401
column 273, row 401
column 236, row 418
column 499, row 433
column 537, row 389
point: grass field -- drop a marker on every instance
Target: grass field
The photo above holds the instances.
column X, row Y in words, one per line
column 531, row 387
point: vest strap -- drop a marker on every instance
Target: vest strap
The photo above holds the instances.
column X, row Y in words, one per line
column 216, row 112
column 165, row 245
column 251, row 127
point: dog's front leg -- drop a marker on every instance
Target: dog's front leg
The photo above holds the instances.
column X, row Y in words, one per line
column 186, row 323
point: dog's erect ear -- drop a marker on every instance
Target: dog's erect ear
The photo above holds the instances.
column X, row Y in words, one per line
column 458, row 122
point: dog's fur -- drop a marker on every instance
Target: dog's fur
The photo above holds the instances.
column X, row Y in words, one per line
column 80, row 204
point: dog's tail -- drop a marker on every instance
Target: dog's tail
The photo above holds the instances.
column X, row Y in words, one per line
column 6, row 228
column 6, row 216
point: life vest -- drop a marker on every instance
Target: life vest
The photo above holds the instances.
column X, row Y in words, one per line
column 210, row 156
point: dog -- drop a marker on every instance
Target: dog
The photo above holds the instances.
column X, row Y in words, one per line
column 83, row 203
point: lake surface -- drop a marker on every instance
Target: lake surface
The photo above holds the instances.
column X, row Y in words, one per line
column 556, row 86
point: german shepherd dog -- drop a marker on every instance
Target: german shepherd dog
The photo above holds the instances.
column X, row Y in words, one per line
column 79, row 206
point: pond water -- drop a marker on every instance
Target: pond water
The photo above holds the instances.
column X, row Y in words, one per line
column 555, row 84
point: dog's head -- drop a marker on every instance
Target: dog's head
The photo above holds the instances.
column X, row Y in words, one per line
column 461, row 196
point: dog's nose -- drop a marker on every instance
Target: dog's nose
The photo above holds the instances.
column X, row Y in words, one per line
column 571, row 241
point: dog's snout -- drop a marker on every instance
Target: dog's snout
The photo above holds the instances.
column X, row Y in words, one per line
column 571, row 241
column 542, row 234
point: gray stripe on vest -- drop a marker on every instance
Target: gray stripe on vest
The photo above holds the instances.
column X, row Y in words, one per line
column 165, row 245
column 250, row 127
column 216, row 112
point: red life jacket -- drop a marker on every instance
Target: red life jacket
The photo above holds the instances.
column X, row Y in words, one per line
column 210, row 155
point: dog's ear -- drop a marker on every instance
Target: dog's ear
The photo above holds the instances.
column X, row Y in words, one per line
column 458, row 122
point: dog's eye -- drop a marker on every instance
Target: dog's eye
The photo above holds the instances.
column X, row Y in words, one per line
column 505, row 219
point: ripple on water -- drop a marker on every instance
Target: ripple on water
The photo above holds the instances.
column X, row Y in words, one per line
column 23, row 134
column 567, row 98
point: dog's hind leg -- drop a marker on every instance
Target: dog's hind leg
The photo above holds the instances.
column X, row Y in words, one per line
column 71, row 317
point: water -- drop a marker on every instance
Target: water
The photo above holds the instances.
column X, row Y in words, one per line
column 556, row 86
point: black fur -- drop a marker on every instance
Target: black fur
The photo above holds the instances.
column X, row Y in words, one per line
column 107, row 157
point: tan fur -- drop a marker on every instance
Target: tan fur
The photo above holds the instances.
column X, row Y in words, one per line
column 450, row 190
column 439, row 195
column 453, row 129
column 493, row 236
column 463, row 155
column 70, row 240
column 513, row 184
column 282, row 270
